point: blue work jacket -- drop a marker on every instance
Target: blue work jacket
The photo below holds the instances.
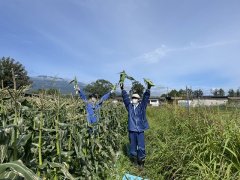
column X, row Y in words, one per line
column 92, row 108
column 137, row 120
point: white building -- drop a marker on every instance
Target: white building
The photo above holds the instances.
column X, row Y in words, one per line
column 205, row 101
column 154, row 102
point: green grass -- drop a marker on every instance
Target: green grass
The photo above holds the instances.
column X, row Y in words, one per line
column 202, row 144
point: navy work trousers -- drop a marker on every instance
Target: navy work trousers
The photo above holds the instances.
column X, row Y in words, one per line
column 137, row 145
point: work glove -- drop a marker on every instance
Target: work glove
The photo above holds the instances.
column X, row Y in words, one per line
column 121, row 86
column 76, row 88
column 149, row 86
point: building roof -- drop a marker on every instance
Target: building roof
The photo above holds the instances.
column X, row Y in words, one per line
column 203, row 97
column 154, row 97
column 213, row 97
column 234, row 98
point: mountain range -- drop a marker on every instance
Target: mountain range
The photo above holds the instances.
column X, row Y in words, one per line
column 49, row 82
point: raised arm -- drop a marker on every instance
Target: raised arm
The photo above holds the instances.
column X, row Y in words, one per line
column 103, row 98
column 146, row 97
column 82, row 95
column 126, row 98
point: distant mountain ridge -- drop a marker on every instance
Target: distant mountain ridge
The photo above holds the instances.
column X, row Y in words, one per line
column 50, row 82
column 50, row 77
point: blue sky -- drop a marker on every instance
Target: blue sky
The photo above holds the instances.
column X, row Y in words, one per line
column 173, row 42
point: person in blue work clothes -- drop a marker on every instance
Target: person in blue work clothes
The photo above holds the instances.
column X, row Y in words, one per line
column 92, row 104
column 137, row 124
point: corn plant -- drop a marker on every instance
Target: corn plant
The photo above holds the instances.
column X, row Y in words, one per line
column 52, row 139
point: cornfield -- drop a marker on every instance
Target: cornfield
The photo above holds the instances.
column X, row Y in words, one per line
column 48, row 137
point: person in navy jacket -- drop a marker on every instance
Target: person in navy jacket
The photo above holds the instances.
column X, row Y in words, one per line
column 137, row 123
column 92, row 105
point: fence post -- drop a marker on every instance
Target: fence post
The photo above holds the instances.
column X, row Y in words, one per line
column 188, row 105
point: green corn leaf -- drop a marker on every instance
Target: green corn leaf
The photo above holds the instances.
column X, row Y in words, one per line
column 23, row 139
column 3, row 153
column 54, row 165
column 18, row 168
column 74, row 81
column 67, row 153
column 130, row 78
column 122, row 76
column 49, row 130
column 9, row 175
column 148, row 82
column 62, row 168
column 64, row 124
column 35, row 144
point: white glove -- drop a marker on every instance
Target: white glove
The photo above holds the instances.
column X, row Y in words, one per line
column 76, row 88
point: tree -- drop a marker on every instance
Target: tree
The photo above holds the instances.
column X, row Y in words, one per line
column 164, row 95
column 11, row 70
column 231, row 93
column 221, row 92
column 218, row 92
column 198, row 93
column 173, row 93
column 182, row 93
column 189, row 92
column 137, row 87
column 214, row 92
column 99, row 87
column 238, row 93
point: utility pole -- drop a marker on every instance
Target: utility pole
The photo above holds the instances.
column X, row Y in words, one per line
column 188, row 105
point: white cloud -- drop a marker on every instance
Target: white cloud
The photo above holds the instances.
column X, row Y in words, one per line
column 209, row 45
column 157, row 54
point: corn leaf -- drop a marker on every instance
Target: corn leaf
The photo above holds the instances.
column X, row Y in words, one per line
column 9, row 175
column 122, row 76
column 62, row 168
column 148, row 82
column 18, row 168
column 130, row 78
column 23, row 139
column 74, row 81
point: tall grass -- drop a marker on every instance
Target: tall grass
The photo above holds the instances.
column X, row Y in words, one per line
column 202, row 144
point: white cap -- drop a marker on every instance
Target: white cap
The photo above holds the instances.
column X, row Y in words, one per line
column 136, row 96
